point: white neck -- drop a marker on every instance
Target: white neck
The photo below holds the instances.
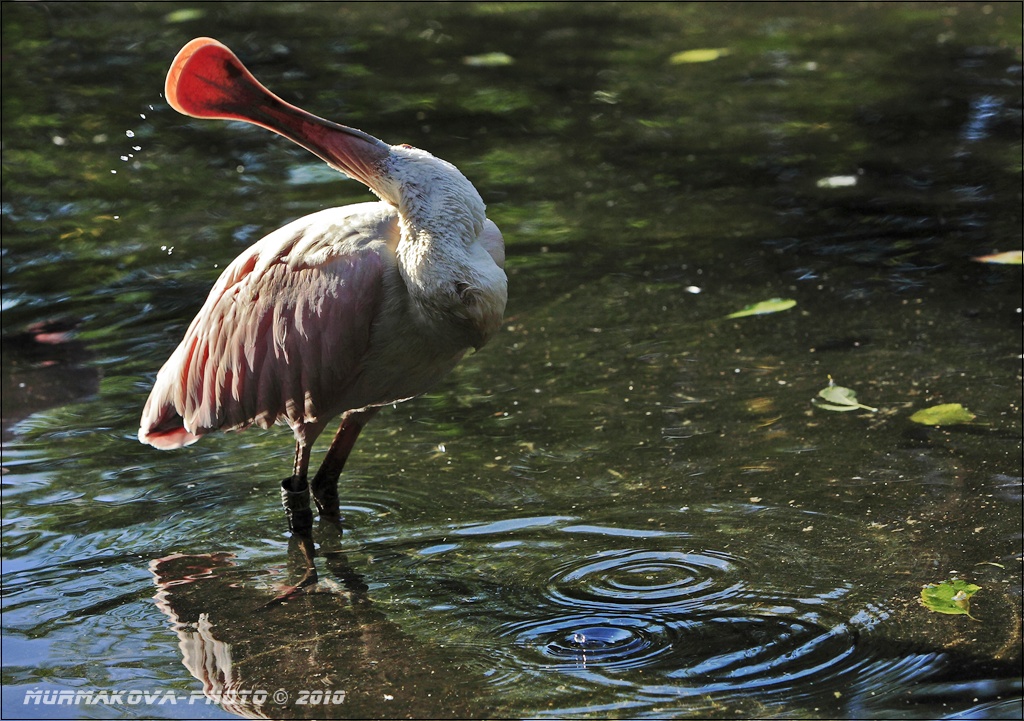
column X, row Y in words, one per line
column 447, row 269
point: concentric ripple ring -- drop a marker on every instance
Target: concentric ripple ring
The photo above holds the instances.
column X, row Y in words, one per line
column 644, row 580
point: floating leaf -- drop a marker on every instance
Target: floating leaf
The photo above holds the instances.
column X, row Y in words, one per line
column 838, row 398
column 1010, row 257
column 184, row 15
column 703, row 55
column 765, row 306
column 952, row 597
column 838, row 181
column 947, row 414
column 488, row 60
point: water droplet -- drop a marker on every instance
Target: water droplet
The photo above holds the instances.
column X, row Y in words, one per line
column 579, row 638
column 142, row 115
column 130, row 133
column 124, row 157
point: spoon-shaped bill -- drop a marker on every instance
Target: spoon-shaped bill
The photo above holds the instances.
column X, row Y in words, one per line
column 207, row 80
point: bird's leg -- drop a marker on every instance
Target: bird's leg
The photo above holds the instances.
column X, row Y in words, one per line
column 295, row 496
column 325, row 482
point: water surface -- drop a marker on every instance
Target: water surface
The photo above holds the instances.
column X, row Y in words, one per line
column 626, row 505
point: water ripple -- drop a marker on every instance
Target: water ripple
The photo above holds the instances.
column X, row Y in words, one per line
column 643, row 579
column 585, row 641
column 680, row 656
column 762, row 651
column 669, row 623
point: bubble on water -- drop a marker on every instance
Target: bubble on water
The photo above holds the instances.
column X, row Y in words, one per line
column 612, row 642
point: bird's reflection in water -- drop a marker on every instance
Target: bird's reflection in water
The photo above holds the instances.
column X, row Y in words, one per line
column 326, row 653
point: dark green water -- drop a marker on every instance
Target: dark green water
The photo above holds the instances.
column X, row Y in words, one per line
column 625, row 505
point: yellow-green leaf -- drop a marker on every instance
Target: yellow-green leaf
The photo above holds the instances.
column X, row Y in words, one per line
column 946, row 414
column 765, row 306
column 951, row 597
column 702, row 55
column 840, row 399
column 184, row 15
column 1010, row 257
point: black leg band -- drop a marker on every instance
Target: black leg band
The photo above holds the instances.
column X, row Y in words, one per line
column 296, row 506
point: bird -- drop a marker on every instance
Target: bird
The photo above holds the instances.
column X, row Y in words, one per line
column 338, row 313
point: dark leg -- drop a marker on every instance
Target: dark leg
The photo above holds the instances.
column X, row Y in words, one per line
column 325, row 483
column 295, row 496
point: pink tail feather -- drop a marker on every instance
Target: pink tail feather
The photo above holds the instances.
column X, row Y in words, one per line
column 164, row 429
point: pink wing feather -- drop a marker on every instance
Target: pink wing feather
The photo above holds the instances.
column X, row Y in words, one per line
column 283, row 331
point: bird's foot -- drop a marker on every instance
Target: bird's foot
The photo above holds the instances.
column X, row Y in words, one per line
column 303, row 544
column 289, row 593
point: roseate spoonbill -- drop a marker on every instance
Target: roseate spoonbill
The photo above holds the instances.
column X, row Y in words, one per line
column 337, row 313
